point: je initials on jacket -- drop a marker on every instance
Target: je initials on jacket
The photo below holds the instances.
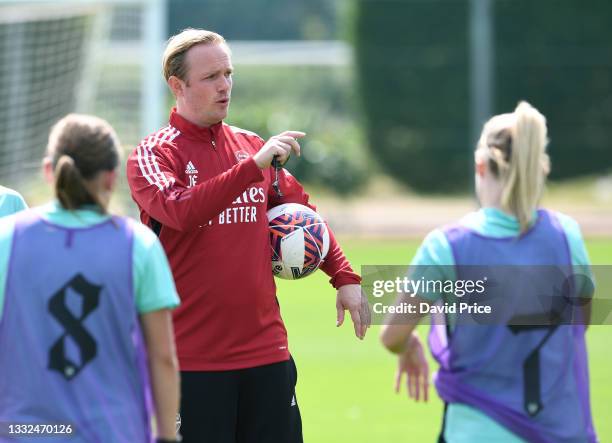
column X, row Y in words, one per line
column 191, row 172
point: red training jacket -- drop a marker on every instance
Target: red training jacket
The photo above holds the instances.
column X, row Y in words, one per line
column 202, row 192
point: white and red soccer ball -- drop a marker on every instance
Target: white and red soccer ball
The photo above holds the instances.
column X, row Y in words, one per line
column 299, row 240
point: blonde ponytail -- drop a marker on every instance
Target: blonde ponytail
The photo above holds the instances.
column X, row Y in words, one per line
column 528, row 164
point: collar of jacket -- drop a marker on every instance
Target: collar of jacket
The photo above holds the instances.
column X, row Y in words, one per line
column 191, row 130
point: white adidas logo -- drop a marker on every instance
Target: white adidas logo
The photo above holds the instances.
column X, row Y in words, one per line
column 293, row 402
column 190, row 169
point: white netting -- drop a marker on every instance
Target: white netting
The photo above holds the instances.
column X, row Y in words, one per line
column 61, row 57
column 41, row 64
column 119, row 67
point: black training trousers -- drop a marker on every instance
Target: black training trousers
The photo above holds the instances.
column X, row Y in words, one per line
column 253, row 405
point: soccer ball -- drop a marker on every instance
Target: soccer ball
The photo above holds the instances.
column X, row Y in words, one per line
column 299, row 240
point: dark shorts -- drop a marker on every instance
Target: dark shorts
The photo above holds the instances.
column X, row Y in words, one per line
column 253, row 405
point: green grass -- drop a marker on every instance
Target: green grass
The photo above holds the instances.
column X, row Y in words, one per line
column 345, row 386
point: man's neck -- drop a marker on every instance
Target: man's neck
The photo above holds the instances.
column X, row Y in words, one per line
column 192, row 118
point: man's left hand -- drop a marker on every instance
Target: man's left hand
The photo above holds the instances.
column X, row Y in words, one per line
column 350, row 297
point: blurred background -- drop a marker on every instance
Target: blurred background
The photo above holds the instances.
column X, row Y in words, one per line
column 392, row 94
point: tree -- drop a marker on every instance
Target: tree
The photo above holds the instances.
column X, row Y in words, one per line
column 413, row 67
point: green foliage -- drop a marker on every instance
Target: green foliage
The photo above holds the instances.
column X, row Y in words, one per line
column 316, row 100
column 412, row 74
column 556, row 54
column 257, row 20
column 413, row 71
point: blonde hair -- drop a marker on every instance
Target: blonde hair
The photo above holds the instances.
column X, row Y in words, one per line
column 515, row 145
column 81, row 146
column 173, row 60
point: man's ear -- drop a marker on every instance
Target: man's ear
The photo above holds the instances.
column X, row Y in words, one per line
column 176, row 86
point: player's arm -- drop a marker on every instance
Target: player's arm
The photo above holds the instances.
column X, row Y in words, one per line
column 433, row 261
column 399, row 336
column 396, row 332
column 157, row 190
column 19, row 204
column 7, row 229
column 155, row 296
column 163, row 367
column 413, row 363
column 584, row 280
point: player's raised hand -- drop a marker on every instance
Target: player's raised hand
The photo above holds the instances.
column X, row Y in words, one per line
column 280, row 145
column 413, row 363
column 351, row 298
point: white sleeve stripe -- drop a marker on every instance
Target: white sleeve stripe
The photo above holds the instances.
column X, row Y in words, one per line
column 158, row 173
column 146, row 169
column 169, row 135
column 153, row 167
column 147, row 162
column 143, row 171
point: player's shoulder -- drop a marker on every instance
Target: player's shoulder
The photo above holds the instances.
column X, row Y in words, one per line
column 143, row 235
column 574, row 237
column 10, row 201
column 434, row 250
column 236, row 131
column 9, row 221
column 436, row 238
column 459, row 228
column 9, row 192
column 562, row 217
column 569, row 225
column 148, row 255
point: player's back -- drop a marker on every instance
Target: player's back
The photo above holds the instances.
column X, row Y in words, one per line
column 532, row 378
column 70, row 343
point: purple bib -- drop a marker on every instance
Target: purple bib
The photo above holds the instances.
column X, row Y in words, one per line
column 71, row 347
column 532, row 380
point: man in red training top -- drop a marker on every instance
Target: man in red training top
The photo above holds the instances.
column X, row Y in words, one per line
column 205, row 188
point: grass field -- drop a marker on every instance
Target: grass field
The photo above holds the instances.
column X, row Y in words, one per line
column 345, row 386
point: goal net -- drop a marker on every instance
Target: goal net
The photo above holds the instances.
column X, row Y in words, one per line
column 58, row 57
